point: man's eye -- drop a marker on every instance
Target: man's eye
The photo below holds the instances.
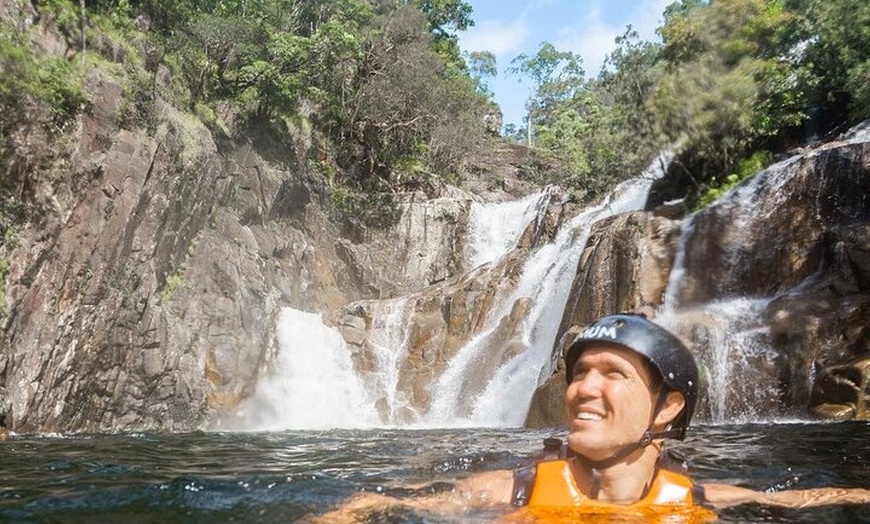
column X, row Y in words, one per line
column 616, row 373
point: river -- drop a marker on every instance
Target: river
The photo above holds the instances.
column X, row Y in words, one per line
column 282, row 476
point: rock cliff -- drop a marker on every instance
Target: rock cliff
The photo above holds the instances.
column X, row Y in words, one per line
column 793, row 239
column 145, row 294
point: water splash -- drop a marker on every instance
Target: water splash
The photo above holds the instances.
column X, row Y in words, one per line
column 739, row 368
column 494, row 228
column 546, row 280
column 314, row 384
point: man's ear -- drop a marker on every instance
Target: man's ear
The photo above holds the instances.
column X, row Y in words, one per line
column 674, row 404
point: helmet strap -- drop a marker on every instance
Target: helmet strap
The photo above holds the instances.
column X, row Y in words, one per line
column 645, row 440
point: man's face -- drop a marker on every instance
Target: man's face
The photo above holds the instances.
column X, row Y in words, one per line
column 609, row 401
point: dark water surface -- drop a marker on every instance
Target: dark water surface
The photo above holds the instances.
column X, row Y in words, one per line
column 279, row 477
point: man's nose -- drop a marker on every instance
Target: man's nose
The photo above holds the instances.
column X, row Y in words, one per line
column 587, row 385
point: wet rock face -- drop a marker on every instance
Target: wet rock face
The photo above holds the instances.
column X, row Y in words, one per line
column 843, row 392
column 796, row 239
column 825, row 329
column 772, row 236
column 148, row 298
column 624, row 267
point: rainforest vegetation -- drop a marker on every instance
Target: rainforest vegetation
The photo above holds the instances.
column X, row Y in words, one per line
column 382, row 92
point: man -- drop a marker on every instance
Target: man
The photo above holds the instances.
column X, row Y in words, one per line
column 631, row 384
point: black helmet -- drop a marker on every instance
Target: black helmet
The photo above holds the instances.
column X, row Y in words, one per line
column 662, row 349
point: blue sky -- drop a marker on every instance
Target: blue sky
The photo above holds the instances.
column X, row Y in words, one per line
column 508, row 28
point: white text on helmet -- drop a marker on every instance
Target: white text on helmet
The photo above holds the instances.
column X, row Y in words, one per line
column 600, row 332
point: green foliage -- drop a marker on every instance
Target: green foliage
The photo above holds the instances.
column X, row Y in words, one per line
column 683, row 39
column 173, row 283
column 746, row 168
column 336, row 61
column 734, row 80
column 28, row 83
column 482, row 65
column 38, row 91
column 838, row 54
column 730, row 77
column 602, row 131
column 445, row 16
column 384, row 89
column 556, row 75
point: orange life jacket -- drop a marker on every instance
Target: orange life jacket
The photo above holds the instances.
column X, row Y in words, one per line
column 554, row 485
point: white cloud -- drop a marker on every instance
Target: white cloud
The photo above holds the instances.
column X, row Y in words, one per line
column 648, row 17
column 593, row 38
column 496, row 36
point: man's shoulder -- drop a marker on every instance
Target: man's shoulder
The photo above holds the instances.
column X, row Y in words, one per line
column 488, row 487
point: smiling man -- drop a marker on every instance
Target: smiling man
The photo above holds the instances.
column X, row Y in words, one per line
column 631, row 384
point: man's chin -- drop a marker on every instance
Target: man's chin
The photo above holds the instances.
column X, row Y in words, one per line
column 589, row 448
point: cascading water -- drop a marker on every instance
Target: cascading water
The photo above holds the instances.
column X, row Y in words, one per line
column 495, row 227
column 739, row 269
column 546, row 279
column 731, row 340
column 739, row 373
column 388, row 342
column 314, row 384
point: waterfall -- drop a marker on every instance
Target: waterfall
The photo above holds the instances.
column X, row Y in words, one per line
column 494, row 228
column 717, row 298
column 738, row 367
column 388, row 340
column 314, row 384
column 728, row 332
column 546, row 279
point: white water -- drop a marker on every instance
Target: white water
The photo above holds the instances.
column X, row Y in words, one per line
column 731, row 339
column 737, row 363
column 546, row 279
column 494, row 228
column 314, row 384
column 388, row 341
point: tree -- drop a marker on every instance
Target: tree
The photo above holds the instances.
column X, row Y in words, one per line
column 731, row 81
column 445, row 17
column 405, row 111
column 838, row 55
column 629, row 78
column 482, row 65
column 556, row 75
column 683, row 39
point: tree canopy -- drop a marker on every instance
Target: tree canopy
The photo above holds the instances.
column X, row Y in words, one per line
column 728, row 80
column 382, row 90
